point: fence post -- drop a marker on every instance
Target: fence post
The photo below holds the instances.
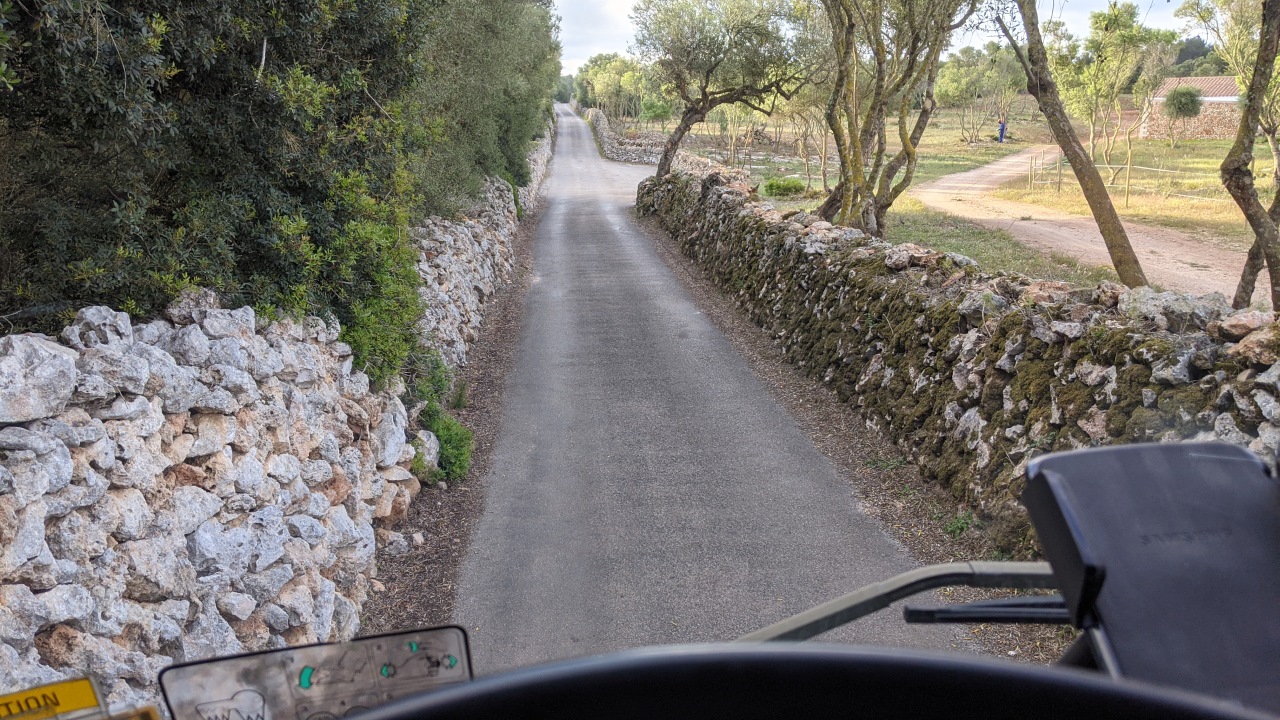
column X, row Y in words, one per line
column 1059, row 176
column 1128, row 172
column 1031, row 171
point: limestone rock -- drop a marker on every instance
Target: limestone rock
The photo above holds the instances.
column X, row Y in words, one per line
column 1174, row 311
column 391, row 543
column 213, row 433
column 192, row 506
column 390, row 433
column 117, row 369
column 978, row 306
column 228, row 323
column 1238, row 325
column 898, row 258
column 1044, row 292
column 124, row 409
column 190, row 346
column 36, row 463
column 429, row 448
column 207, row 636
column 135, row 516
column 191, row 305
column 37, row 378
column 96, row 326
column 1262, row 346
column 237, row 606
column 160, row 569
column 1226, row 430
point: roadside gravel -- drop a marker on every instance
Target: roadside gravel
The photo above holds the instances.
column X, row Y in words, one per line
column 418, row 588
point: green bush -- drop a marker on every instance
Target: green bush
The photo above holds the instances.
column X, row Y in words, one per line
column 456, row 442
column 276, row 153
column 1183, row 102
column 783, row 187
column 429, row 382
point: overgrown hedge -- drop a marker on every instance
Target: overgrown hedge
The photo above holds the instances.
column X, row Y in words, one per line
column 274, row 152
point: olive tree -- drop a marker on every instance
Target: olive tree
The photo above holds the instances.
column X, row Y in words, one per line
column 1235, row 28
column 1236, row 174
column 1157, row 63
column 1036, row 65
column 887, row 58
column 1094, row 75
column 981, row 84
column 719, row 52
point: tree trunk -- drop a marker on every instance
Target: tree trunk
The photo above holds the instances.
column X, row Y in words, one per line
column 1248, row 277
column 1254, row 261
column 1237, row 178
column 690, row 118
column 1041, row 86
column 831, row 206
column 826, row 186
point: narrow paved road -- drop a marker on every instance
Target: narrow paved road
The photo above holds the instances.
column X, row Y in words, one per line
column 1171, row 259
column 645, row 487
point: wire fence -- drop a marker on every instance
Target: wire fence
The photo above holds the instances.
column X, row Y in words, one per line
column 1047, row 170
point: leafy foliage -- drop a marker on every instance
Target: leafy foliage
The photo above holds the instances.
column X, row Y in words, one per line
column 783, row 187
column 982, row 84
column 456, row 444
column 1095, row 74
column 1183, row 102
column 276, row 153
column 564, row 89
column 722, row 52
column 1196, row 58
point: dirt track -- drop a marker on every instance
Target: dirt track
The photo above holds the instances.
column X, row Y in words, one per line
column 1171, row 259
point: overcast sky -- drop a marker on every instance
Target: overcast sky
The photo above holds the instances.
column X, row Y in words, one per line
column 589, row 27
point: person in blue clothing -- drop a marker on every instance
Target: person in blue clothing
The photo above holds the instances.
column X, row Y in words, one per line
column 1002, row 127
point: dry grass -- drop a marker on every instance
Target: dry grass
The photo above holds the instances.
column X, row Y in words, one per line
column 994, row 250
column 1191, row 200
column 941, row 153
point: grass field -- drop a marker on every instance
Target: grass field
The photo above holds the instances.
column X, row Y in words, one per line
column 1191, row 199
column 941, row 153
column 994, row 250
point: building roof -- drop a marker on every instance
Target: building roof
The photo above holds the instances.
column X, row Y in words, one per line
column 1217, row 86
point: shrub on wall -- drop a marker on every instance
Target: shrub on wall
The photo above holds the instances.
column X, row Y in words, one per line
column 274, row 153
column 1182, row 104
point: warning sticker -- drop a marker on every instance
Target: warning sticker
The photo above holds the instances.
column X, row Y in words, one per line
column 70, row 698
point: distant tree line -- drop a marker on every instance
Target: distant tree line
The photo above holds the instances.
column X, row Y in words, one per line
column 275, row 152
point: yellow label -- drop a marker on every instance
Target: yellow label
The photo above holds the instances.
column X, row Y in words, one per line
column 52, row 699
column 148, row 712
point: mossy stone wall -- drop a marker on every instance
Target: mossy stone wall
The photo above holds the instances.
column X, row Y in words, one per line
column 972, row 374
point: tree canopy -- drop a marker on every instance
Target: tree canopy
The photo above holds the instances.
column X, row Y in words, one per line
column 717, row 52
column 981, row 84
column 887, row 60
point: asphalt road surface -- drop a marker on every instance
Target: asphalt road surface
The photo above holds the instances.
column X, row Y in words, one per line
column 645, row 487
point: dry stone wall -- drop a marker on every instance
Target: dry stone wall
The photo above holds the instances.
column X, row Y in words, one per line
column 201, row 484
column 464, row 260
column 209, row 483
column 1217, row 120
column 645, row 149
column 972, row 374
